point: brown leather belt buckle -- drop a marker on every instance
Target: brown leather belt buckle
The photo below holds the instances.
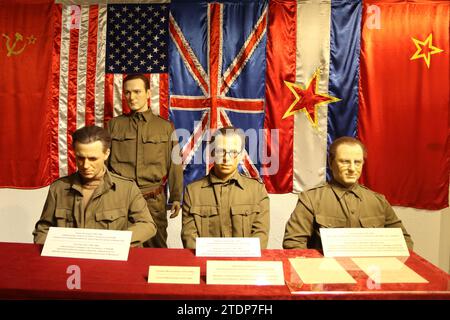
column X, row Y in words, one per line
column 149, row 195
column 153, row 194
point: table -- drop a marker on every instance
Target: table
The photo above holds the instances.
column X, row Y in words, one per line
column 25, row 274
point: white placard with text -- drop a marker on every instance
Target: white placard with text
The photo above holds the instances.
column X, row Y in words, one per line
column 363, row 242
column 227, row 247
column 174, row 274
column 87, row 243
column 245, row 272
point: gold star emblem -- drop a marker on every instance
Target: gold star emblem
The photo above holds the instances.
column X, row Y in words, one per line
column 425, row 49
column 308, row 99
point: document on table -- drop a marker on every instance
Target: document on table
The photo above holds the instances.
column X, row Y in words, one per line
column 363, row 242
column 176, row 275
column 244, row 272
column 227, row 247
column 388, row 270
column 320, row 270
column 87, row 243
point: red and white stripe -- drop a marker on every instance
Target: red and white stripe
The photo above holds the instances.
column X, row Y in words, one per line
column 302, row 30
column 83, row 93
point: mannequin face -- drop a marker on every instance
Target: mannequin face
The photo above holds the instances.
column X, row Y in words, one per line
column 90, row 159
column 347, row 166
column 227, row 154
column 136, row 94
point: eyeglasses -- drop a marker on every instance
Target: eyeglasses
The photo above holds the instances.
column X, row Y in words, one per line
column 221, row 153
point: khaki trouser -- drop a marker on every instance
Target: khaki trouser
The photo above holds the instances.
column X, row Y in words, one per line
column 157, row 206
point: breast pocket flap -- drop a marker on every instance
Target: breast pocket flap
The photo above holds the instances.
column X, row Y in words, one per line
column 123, row 136
column 331, row 222
column 245, row 209
column 62, row 213
column 204, row 211
column 155, row 138
column 372, row 222
column 110, row 215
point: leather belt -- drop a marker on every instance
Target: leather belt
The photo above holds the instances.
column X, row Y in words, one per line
column 152, row 193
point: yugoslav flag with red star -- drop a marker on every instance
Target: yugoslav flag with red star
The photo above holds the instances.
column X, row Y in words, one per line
column 311, row 87
column 377, row 70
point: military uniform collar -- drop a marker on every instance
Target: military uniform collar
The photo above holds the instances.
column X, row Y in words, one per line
column 213, row 179
column 340, row 190
column 145, row 116
column 76, row 184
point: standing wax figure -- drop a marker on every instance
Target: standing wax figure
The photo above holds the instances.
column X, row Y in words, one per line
column 342, row 203
column 93, row 197
column 142, row 149
column 225, row 203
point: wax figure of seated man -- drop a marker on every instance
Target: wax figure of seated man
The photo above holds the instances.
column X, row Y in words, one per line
column 225, row 203
column 342, row 203
column 93, row 197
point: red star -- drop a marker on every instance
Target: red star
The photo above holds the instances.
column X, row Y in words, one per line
column 307, row 99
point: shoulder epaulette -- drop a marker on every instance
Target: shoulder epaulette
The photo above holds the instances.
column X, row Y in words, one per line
column 115, row 175
column 251, row 178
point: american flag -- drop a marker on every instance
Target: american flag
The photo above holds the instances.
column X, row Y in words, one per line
column 137, row 38
column 94, row 47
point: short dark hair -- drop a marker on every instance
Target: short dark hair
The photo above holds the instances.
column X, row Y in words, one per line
column 229, row 130
column 345, row 140
column 91, row 134
column 141, row 76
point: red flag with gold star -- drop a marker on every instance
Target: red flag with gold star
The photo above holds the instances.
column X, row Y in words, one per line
column 27, row 120
column 404, row 101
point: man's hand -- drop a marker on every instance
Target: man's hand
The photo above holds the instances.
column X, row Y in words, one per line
column 176, row 206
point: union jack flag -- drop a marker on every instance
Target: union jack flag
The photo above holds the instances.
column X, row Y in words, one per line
column 217, row 75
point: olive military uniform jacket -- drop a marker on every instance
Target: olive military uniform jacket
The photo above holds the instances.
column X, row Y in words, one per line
column 333, row 206
column 212, row 207
column 117, row 204
column 142, row 148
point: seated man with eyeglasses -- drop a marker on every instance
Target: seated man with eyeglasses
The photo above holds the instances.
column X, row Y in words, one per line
column 225, row 203
column 341, row 203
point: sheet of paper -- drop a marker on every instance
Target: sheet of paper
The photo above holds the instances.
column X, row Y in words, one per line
column 171, row 274
column 320, row 270
column 363, row 242
column 227, row 247
column 245, row 272
column 87, row 243
column 388, row 270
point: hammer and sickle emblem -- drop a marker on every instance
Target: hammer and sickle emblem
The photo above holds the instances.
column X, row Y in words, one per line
column 11, row 48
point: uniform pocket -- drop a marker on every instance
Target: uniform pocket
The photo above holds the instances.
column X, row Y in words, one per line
column 64, row 218
column 155, row 148
column 123, row 147
column 330, row 222
column 113, row 219
column 207, row 220
column 242, row 217
column 372, row 222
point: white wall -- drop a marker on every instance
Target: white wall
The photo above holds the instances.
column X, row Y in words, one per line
column 430, row 230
